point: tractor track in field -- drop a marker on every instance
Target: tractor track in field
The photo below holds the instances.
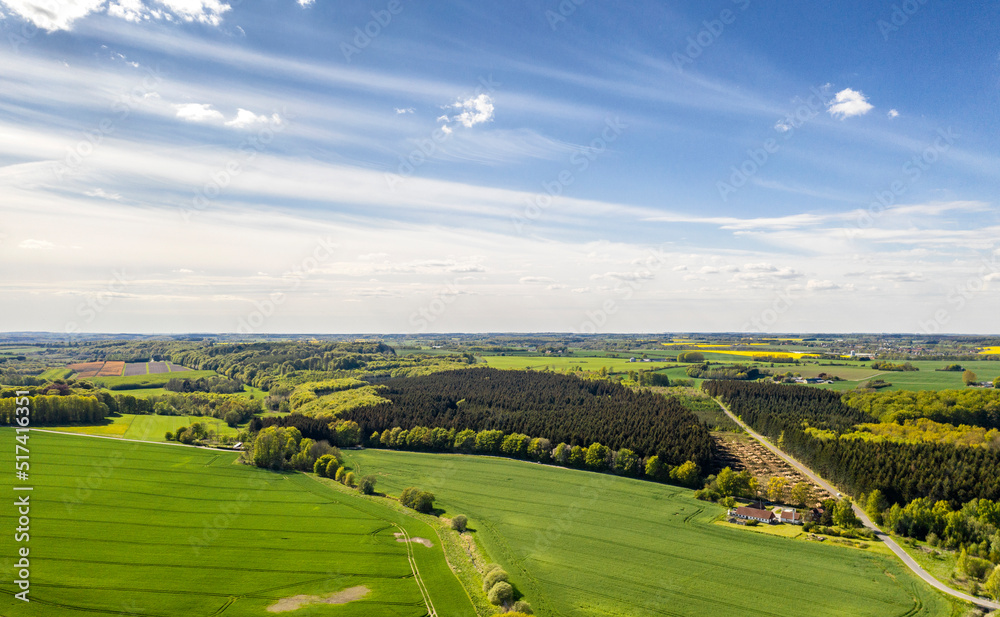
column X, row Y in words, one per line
column 421, row 585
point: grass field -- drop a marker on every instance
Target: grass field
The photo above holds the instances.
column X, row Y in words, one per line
column 147, row 427
column 585, row 544
column 124, row 528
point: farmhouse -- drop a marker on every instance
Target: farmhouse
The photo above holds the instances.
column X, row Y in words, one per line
column 791, row 516
column 754, row 514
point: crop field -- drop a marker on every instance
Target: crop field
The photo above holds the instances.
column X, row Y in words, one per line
column 135, row 368
column 125, row 528
column 586, row 544
column 111, row 369
column 148, row 427
column 142, row 380
column 614, row 365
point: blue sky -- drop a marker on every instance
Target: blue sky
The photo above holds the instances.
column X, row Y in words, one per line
column 280, row 166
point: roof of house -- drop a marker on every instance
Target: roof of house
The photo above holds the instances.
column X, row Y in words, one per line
column 754, row 512
column 790, row 515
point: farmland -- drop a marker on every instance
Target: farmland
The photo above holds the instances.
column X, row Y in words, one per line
column 579, row 543
column 148, row 427
column 170, row 530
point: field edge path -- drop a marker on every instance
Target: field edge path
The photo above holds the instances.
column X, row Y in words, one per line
column 889, row 542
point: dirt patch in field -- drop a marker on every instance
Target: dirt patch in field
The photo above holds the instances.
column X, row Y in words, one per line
column 294, row 603
column 424, row 541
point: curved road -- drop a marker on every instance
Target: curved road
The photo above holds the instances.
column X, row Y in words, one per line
column 893, row 546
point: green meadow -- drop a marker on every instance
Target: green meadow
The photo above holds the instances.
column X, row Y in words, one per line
column 853, row 373
column 125, row 528
column 584, row 544
column 147, row 427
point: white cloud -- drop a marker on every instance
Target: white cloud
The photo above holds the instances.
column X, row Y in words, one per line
column 61, row 14
column 472, row 111
column 197, row 112
column 129, row 10
column 405, row 110
column 203, row 11
column 528, row 280
column 782, row 126
column 36, row 245
column 893, row 113
column 53, row 15
column 822, row 285
column 305, row 3
column 849, row 103
column 245, row 118
column 102, row 194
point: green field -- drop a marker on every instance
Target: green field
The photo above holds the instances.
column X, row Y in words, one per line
column 585, row 544
column 853, row 373
column 124, row 528
column 147, row 427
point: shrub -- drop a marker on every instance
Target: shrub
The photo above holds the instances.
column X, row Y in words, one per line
column 322, row 463
column 417, row 499
column 520, row 607
column 494, row 577
column 349, row 478
column 339, row 474
column 169, row 436
column 491, row 567
column 367, row 485
column 460, row 523
column 331, row 469
column 752, row 523
column 501, row 593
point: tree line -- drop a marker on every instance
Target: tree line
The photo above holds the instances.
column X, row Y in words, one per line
column 560, row 408
column 595, row 457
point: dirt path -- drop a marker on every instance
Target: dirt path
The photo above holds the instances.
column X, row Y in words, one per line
column 893, row 546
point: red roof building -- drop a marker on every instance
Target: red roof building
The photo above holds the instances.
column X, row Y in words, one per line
column 754, row 514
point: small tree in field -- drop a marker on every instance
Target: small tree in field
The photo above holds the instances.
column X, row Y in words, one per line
column 969, row 378
column 367, row 485
column 493, row 577
column 460, row 523
column 349, row 478
column 339, row 474
column 501, row 593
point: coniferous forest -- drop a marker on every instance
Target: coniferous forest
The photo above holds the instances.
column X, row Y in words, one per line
column 808, row 422
column 561, row 408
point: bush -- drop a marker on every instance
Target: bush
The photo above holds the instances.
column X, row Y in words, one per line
column 494, row 577
column 491, row 567
column 339, row 474
column 417, row 499
column 331, row 469
column 501, row 593
column 521, row 607
column 349, row 478
column 460, row 523
column 169, row 436
column 691, row 356
column 367, row 485
column 752, row 523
